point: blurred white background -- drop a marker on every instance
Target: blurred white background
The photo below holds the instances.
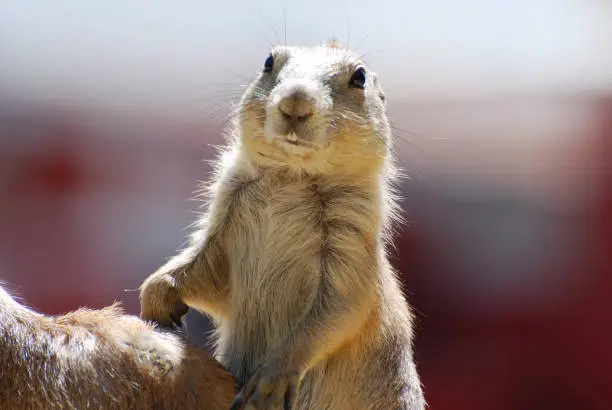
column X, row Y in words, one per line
column 156, row 55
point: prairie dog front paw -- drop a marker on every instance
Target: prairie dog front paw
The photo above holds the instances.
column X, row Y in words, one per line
column 160, row 301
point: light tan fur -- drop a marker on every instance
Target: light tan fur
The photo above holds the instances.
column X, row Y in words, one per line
column 102, row 359
column 290, row 258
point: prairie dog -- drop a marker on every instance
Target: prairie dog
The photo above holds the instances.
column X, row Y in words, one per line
column 290, row 257
column 102, row 359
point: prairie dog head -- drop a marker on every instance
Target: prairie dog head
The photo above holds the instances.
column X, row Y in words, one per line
column 318, row 109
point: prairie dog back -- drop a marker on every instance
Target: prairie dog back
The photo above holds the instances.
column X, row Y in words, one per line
column 290, row 258
column 101, row 359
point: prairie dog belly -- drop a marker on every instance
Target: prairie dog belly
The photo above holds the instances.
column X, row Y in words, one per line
column 275, row 269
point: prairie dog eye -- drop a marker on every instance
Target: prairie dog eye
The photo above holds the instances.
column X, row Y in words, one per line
column 358, row 79
column 269, row 64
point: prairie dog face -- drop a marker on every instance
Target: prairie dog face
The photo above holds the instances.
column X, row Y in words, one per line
column 314, row 108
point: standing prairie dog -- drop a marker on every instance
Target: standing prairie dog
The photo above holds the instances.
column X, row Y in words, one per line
column 290, row 258
column 102, row 359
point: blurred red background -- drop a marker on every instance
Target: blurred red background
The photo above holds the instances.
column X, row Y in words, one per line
column 506, row 259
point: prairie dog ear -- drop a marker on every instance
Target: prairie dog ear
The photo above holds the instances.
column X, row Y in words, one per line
column 333, row 43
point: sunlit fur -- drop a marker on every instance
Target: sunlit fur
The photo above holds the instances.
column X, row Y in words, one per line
column 101, row 359
column 290, row 257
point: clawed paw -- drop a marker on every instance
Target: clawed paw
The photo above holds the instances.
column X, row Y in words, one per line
column 268, row 389
column 179, row 310
column 160, row 302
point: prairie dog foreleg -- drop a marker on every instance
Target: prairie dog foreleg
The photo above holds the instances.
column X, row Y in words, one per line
column 197, row 277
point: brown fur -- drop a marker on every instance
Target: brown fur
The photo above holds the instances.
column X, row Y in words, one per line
column 290, row 258
column 102, row 359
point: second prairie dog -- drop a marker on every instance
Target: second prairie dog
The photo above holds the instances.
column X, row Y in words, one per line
column 290, row 259
column 102, row 359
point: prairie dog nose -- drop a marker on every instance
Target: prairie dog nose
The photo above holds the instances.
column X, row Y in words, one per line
column 296, row 107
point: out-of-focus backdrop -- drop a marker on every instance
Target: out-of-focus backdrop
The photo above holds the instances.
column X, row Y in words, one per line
column 502, row 112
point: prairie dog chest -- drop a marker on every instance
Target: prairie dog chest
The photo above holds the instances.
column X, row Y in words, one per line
column 274, row 247
column 282, row 224
column 276, row 225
